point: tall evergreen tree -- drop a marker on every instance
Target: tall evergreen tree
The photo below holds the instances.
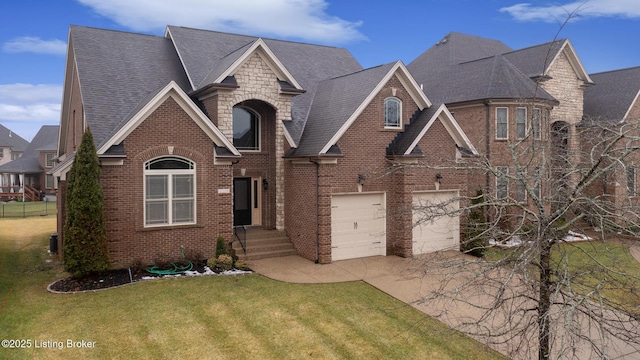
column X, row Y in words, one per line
column 85, row 248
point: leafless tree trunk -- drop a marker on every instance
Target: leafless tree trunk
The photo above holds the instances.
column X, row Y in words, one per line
column 537, row 297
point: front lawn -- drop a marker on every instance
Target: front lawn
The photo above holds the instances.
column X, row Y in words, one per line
column 211, row 317
column 607, row 266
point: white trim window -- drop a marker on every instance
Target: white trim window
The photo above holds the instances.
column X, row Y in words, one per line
column 502, row 123
column 169, row 190
column 392, row 113
column 502, row 182
column 536, row 124
column 631, row 181
column 48, row 180
column 48, row 159
column 521, row 123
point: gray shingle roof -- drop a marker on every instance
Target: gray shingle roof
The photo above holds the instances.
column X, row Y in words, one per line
column 613, row 94
column 334, row 102
column 450, row 74
column 120, row 71
column 534, row 61
column 404, row 139
column 117, row 71
column 456, row 48
column 45, row 140
column 203, row 53
column 10, row 139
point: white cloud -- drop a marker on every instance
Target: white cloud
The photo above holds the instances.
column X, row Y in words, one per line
column 580, row 9
column 35, row 112
column 35, row 45
column 302, row 19
column 27, row 102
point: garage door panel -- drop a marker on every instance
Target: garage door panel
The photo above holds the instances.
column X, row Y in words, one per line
column 358, row 225
column 440, row 232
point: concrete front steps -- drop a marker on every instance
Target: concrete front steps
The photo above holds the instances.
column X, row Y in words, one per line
column 263, row 244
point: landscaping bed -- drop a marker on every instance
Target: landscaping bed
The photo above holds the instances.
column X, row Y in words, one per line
column 118, row 277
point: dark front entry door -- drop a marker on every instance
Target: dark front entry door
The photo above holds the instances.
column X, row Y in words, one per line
column 241, row 201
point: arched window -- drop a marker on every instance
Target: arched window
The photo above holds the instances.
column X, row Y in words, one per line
column 169, row 191
column 392, row 113
column 246, row 129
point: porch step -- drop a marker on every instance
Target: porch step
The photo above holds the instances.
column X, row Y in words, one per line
column 262, row 244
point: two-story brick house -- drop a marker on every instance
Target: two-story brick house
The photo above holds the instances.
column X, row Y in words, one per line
column 200, row 133
column 513, row 104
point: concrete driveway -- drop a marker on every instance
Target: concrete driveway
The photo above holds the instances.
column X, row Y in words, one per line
column 407, row 280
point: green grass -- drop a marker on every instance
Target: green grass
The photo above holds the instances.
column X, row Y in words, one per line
column 607, row 266
column 26, row 209
column 213, row 317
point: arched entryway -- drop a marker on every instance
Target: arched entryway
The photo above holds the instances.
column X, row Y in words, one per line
column 254, row 175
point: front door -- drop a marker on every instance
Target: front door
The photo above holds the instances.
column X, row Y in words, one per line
column 241, row 201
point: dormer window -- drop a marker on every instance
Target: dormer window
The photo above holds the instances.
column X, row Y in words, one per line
column 392, row 113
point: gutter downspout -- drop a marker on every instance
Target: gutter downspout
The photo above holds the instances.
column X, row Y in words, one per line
column 317, row 210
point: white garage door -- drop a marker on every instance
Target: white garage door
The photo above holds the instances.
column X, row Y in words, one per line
column 358, row 225
column 430, row 231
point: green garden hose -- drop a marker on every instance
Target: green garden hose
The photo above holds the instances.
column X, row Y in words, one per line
column 177, row 269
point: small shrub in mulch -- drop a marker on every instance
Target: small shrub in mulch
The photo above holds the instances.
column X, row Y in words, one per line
column 113, row 278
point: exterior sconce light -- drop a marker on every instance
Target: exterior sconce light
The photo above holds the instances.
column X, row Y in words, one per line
column 438, row 178
column 361, row 179
column 265, row 184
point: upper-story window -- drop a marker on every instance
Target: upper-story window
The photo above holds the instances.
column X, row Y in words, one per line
column 246, row 129
column 392, row 113
column 169, row 188
column 1, row 152
column 536, row 124
column 502, row 123
column 48, row 159
column 521, row 123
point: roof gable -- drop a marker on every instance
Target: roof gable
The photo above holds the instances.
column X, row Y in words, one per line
column 117, row 71
column 614, row 95
column 537, row 61
column 228, row 65
column 339, row 101
column 182, row 99
column 408, row 141
column 406, row 79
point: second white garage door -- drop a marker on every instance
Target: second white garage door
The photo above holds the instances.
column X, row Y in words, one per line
column 435, row 233
column 358, row 225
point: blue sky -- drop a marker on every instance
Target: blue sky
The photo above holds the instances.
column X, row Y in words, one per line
column 34, row 33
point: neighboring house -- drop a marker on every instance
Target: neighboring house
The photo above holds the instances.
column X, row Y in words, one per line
column 11, row 146
column 200, row 132
column 501, row 96
column 614, row 103
column 28, row 176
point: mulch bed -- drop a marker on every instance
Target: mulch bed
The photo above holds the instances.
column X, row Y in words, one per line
column 112, row 278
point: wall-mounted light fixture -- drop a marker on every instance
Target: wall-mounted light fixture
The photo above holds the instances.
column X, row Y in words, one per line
column 265, row 184
column 438, row 178
column 361, row 179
